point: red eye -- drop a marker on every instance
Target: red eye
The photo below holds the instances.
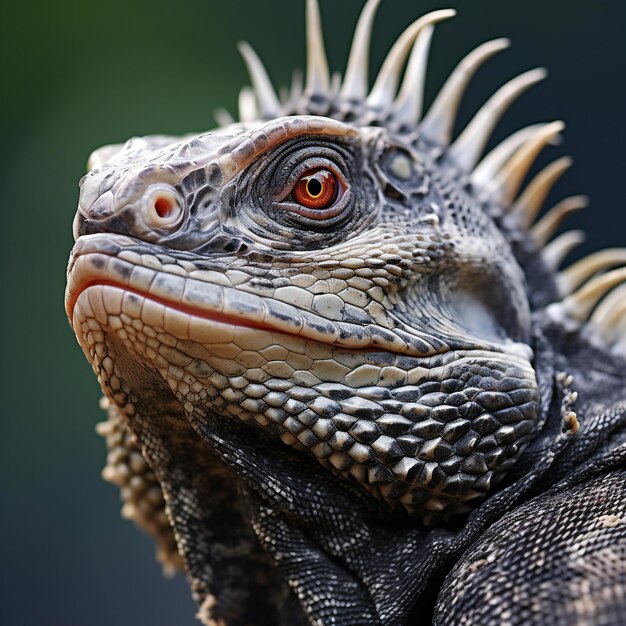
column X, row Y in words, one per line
column 317, row 189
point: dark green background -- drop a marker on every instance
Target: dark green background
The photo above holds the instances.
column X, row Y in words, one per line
column 79, row 75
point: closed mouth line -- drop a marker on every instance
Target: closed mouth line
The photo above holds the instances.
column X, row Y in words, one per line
column 221, row 318
column 218, row 317
column 204, row 314
column 229, row 305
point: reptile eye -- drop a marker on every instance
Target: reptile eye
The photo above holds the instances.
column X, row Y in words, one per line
column 316, row 189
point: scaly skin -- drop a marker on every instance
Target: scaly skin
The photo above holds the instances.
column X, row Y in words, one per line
column 388, row 336
column 382, row 354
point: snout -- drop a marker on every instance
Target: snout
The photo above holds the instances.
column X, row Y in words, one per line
column 144, row 205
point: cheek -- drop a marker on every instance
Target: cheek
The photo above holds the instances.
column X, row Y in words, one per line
column 426, row 436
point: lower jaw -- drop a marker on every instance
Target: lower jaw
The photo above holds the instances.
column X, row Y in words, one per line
column 305, row 393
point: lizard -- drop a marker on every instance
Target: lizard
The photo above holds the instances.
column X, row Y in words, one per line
column 347, row 381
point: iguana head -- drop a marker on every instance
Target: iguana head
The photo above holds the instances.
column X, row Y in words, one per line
column 335, row 271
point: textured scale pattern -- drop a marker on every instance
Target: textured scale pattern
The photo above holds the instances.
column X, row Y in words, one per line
column 394, row 409
column 139, row 489
column 579, row 530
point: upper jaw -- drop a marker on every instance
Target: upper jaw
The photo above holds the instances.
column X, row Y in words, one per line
column 151, row 272
column 210, row 289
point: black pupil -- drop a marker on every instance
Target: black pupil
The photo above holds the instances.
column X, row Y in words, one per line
column 314, row 187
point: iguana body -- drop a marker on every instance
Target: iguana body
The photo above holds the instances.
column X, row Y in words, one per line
column 343, row 375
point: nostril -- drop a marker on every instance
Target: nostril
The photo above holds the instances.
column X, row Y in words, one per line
column 163, row 207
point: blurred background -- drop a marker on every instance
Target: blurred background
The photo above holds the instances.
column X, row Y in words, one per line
column 76, row 76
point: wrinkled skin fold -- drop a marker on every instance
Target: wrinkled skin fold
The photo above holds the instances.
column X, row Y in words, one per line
column 366, row 399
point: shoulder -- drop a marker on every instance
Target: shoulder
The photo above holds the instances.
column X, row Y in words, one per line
column 558, row 559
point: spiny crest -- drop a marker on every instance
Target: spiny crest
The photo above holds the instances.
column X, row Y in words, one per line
column 396, row 101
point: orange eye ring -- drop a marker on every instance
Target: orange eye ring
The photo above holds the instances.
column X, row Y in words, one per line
column 317, row 189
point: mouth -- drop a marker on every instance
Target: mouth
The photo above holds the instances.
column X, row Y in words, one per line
column 198, row 300
column 177, row 306
column 154, row 328
column 106, row 272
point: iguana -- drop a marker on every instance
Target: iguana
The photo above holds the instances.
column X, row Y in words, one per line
column 346, row 381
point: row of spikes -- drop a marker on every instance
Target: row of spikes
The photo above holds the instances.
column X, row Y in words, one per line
column 501, row 172
column 598, row 308
column 592, row 293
